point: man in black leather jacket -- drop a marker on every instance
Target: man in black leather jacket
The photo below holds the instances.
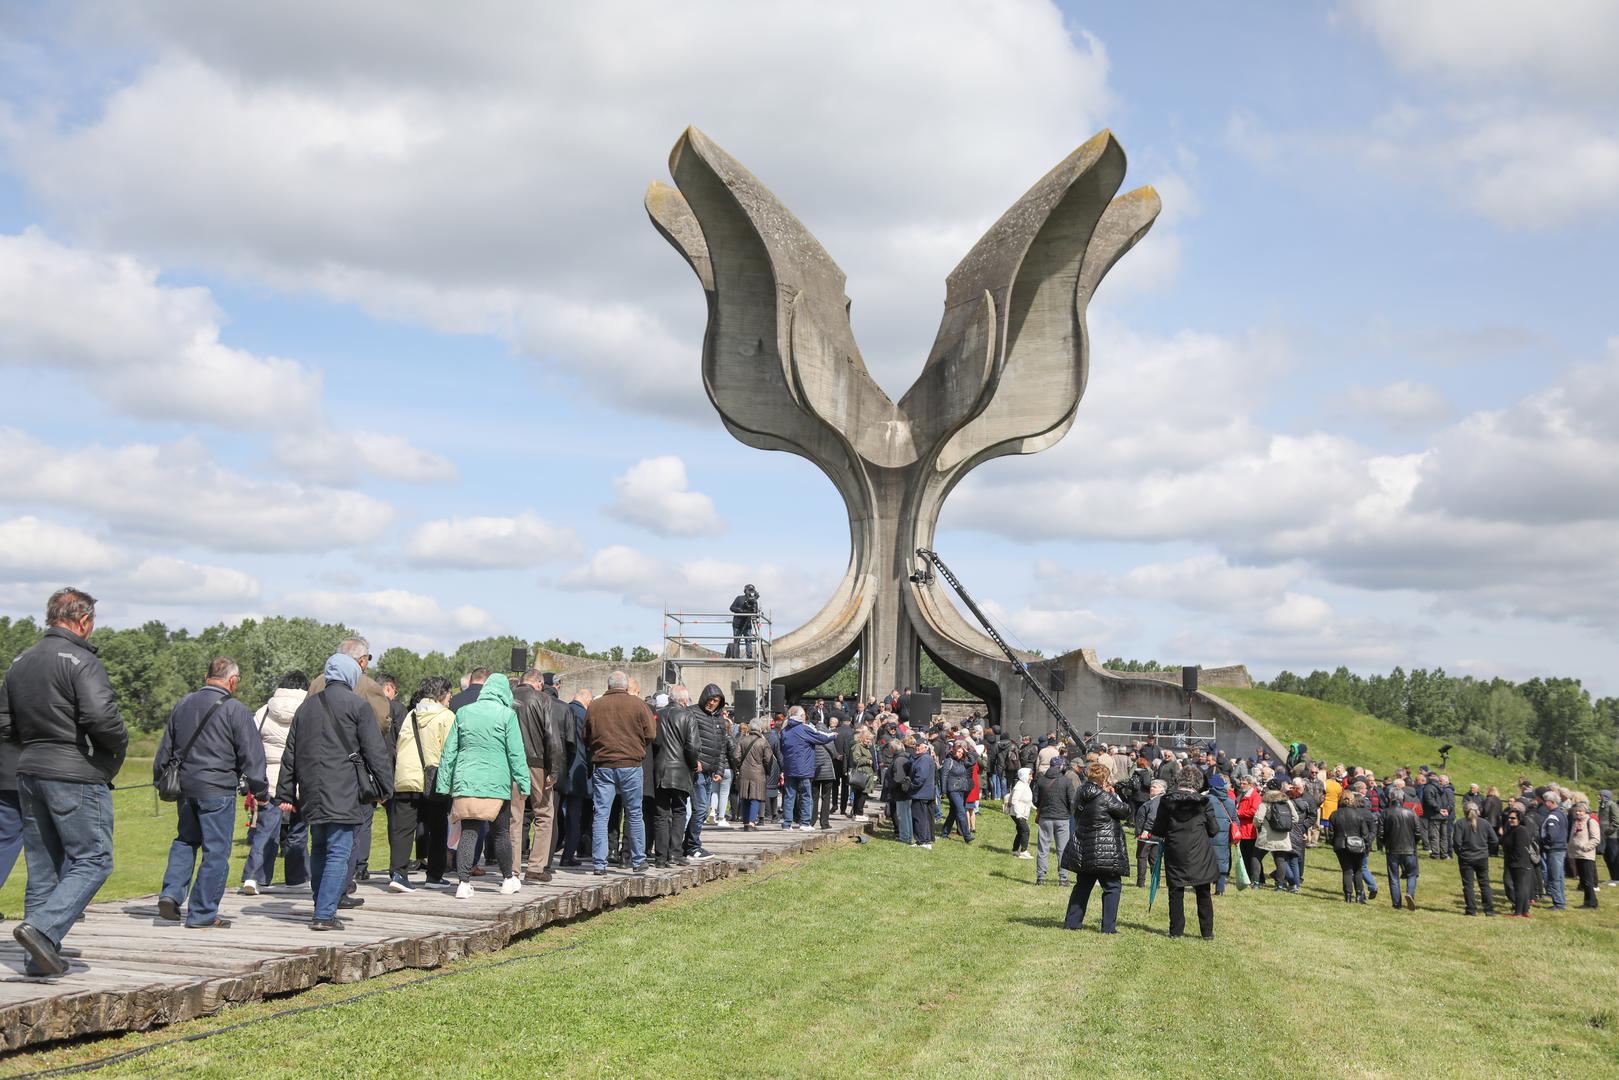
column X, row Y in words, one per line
column 677, row 753
column 1398, row 827
column 58, row 704
column 544, row 723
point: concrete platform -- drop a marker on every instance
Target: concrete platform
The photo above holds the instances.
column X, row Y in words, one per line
column 137, row 972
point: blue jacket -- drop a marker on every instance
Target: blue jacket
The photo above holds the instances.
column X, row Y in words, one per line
column 924, row 773
column 229, row 747
column 1554, row 830
column 798, row 744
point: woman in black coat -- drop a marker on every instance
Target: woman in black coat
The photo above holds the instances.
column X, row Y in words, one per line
column 1103, row 856
column 1519, row 867
column 1184, row 824
column 1353, row 831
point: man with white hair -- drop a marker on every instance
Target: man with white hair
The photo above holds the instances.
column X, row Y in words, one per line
column 212, row 736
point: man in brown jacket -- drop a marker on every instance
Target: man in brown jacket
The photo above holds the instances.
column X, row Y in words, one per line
column 618, row 729
column 359, row 649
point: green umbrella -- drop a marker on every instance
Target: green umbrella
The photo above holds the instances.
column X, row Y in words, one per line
column 1157, row 870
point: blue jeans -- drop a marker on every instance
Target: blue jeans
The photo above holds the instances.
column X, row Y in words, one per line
column 750, row 811
column 902, row 820
column 700, row 789
column 263, row 843
column 604, row 785
column 800, row 805
column 10, row 832
column 997, row 786
column 1366, row 873
column 205, row 825
column 722, row 806
column 67, row 842
column 330, row 846
column 1552, row 866
column 1408, row 867
column 958, row 814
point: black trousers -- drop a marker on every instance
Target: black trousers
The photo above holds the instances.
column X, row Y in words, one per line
column 1479, row 870
column 574, row 813
column 842, row 793
column 1587, row 870
column 500, row 838
column 1146, row 858
column 669, row 822
column 1177, row 911
column 922, row 820
column 433, row 815
column 858, row 807
column 825, row 792
column 1022, row 841
column 1610, row 855
column 1522, row 888
column 1349, row 866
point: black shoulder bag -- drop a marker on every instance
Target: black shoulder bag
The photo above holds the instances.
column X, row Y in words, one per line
column 429, row 772
column 168, row 780
column 367, row 783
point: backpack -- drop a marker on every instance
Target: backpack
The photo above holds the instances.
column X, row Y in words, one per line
column 1279, row 818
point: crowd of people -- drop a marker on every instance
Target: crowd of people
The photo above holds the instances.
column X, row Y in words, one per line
column 517, row 778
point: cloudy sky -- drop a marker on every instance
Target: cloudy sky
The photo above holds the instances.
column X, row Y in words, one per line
column 353, row 311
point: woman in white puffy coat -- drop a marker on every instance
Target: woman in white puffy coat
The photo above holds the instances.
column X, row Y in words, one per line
column 274, row 723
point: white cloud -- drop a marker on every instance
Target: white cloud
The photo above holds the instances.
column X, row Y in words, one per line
column 1400, row 405
column 339, row 456
column 36, row 550
column 1207, row 583
column 1568, row 45
column 177, row 491
column 788, row 595
column 151, row 350
column 653, row 494
column 160, row 579
column 462, row 179
column 490, row 543
column 391, row 611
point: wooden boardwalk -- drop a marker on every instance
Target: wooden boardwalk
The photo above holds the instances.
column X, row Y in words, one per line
column 137, row 972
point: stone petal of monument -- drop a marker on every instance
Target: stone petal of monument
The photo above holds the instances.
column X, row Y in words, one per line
column 1004, row 376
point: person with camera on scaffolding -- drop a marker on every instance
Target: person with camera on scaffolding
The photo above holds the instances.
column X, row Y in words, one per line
column 744, row 624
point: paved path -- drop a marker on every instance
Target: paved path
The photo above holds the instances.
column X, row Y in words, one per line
column 137, row 972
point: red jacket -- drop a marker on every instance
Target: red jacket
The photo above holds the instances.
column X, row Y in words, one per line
column 1245, row 813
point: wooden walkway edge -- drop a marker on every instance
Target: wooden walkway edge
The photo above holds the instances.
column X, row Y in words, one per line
column 137, row 972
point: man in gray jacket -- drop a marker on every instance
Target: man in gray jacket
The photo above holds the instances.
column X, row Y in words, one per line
column 58, row 704
column 212, row 735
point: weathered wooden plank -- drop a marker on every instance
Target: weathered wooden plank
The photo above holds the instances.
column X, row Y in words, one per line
column 136, row 971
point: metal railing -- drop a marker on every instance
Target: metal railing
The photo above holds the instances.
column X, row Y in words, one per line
column 1180, row 730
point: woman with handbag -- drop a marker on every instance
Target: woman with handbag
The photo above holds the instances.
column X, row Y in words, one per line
column 334, row 772
column 420, row 745
column 1098, row 843
column 754, row 759
column 862, row 774
column 483, row 757
column 1353, row 832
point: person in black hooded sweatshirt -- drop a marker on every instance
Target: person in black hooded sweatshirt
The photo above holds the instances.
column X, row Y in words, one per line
column 1184, row 824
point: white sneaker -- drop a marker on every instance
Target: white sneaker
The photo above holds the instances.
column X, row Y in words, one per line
column 926, row 847
column 722, row 824
column 463, row 891
column 251, row 887
column 861, row 817
column 511, row 885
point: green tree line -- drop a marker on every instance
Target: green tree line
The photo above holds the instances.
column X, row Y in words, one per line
column 151, row 667
column 1551, row 722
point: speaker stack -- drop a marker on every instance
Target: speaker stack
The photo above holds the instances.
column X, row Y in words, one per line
column 519, row 660
column 746, row 706
column 778, row 698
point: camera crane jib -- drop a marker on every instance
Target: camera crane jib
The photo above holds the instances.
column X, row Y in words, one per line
column 994, row 635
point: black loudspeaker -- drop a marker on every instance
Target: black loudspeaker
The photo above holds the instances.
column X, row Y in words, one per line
column 1189, row 679
column 746, row 706
column 519, row 660
column 778, row 698
column 931, row 699
column 1056, row 680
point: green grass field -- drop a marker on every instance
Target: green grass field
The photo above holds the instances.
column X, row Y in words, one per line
column 881, row 960
column 884, row 960
column 1337, row 734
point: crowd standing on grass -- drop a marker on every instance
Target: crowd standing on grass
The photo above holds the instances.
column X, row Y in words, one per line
column 522, row 780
